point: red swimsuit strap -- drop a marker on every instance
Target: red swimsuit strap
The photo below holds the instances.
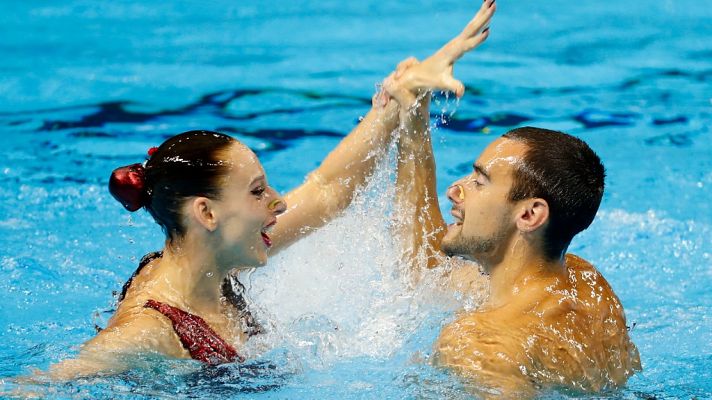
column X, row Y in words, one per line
column 197, row 337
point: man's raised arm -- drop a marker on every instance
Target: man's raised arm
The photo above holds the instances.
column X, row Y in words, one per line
column 421, row 225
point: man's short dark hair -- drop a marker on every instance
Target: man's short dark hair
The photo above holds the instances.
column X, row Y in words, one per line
column 565, row 172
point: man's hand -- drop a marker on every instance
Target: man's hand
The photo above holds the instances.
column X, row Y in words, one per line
column 410, row 78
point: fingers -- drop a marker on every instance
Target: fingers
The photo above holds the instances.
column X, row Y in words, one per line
column 404, row 65
column 481, row 19
column 393, row 87
column 475, row 41
column 435, row 72
column 453, row 85
column 380, row 99
column 395, row 90
column 470, row 37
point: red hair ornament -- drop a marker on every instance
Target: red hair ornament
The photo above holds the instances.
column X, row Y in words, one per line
column 128, row 186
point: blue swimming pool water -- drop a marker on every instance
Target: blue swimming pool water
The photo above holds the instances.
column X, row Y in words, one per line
column 88, row 86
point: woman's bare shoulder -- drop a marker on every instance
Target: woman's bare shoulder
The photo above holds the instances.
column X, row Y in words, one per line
column 133, row 330
column 121, row 346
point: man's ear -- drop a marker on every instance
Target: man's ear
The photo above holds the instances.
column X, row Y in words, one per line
column 532, row 214
column 204, row 213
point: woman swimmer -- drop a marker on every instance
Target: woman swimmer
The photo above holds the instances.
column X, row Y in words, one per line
column 210, row 195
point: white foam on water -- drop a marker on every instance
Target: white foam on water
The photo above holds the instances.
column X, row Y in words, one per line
column 342, row 291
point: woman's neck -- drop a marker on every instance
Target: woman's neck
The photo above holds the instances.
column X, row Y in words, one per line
column 191, row 277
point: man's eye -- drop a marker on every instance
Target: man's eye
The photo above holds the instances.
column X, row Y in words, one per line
column 474, row 179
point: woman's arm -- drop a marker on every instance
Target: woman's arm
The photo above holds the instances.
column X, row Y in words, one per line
column 330, row 188
column 119, row 347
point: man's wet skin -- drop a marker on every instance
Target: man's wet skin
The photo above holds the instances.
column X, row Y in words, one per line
column 547, row 323
column 482, row 218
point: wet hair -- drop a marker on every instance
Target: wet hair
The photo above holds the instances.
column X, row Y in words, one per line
column 565, row 172
column 188, row 164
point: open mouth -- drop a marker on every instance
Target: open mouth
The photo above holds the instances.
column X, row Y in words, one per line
column 266, row 239
column 458, row 218
column 265, row 236
column 454, row 224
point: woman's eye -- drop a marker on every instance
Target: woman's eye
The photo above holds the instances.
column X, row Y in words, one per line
column 258, row 191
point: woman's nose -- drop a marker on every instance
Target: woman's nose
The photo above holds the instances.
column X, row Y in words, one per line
column 277, row 205
column 456, row 193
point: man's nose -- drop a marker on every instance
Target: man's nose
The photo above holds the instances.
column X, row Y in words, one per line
column 456, row 193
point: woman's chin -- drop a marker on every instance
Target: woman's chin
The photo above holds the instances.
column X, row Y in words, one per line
column 260, row 259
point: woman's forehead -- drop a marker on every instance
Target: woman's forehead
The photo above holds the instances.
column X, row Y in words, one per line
column 246, row 167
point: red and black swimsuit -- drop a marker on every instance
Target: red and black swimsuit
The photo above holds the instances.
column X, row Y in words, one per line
column 197, row 336
column 201, row 341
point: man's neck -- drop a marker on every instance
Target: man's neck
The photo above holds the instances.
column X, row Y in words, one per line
column 520, row 262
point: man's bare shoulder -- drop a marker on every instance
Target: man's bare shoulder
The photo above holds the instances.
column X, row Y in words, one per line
column 485, row 348
column 594, row 294
column 557, row 328
column 577, row 330
column 579, row 291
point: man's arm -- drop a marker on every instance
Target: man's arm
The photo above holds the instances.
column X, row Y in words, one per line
column 420, row 222
column 422, row 225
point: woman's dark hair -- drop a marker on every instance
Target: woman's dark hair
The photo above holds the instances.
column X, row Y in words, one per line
column 565, row 172
column 188, row 164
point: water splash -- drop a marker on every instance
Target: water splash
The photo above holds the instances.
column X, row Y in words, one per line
column 342, row 291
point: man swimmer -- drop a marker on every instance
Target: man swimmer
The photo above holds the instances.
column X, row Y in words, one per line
column 551, row 320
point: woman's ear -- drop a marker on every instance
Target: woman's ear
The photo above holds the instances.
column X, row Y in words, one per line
column 204, row 213
column 533, row 214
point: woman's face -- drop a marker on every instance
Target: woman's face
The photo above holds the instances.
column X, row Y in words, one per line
column 247, row 209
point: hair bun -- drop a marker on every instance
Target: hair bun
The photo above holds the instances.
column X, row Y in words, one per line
column 128, row 186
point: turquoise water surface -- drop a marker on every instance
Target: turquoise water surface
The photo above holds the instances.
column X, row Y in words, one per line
column 88, row 86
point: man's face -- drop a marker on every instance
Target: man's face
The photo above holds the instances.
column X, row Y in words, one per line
column 484, row 217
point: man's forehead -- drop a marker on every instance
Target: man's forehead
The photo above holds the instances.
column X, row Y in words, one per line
column 501, row 154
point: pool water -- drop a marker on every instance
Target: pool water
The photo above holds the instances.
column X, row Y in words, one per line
column 89, row 86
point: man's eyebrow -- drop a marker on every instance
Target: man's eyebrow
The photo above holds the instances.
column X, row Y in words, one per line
column 478, row 168
column 256, row 179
